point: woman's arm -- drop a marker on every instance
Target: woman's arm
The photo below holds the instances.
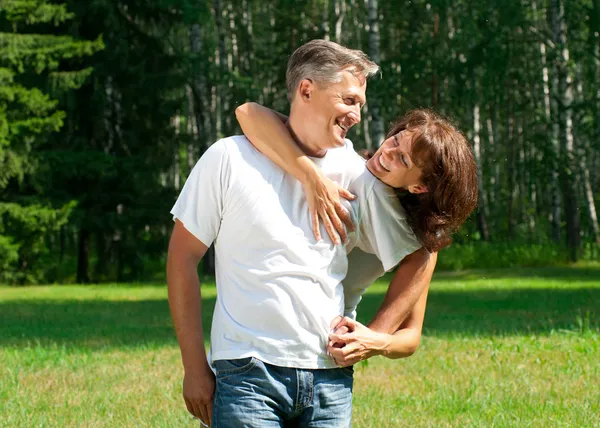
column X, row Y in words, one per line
column 267, row 132
column 406, row 340
column 360, row 342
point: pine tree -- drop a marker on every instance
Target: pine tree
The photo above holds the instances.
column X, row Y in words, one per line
column 36, row 65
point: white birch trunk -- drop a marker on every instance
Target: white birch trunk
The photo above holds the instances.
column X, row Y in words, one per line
column 482, row 212
column 565, row 122
column 377, row 132
column 340, row 14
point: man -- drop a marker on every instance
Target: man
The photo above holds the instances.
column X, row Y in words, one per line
column 278, row 289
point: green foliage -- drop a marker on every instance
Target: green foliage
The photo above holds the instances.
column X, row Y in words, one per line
column 110, row 103
column 34, row 12
column 33, row 63
column 485, row 255
column 9, row 254
column 24, row 229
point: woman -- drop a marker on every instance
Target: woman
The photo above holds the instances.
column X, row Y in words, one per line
column 427, row 163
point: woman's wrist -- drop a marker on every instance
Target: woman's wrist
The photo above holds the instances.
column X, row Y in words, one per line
column 310, row 173
column 382, row 343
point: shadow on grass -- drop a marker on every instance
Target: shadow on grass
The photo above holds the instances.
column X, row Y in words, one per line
column 573, row 273
column 93, row 324
column 99, row 324
column 501, row 312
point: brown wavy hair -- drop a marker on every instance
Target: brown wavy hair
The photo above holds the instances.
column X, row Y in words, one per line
column 444, row 156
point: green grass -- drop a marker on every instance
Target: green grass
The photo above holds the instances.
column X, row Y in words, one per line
column 500, row 348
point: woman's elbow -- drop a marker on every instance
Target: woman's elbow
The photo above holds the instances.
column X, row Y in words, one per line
column 244, row 109
column 412, row 348
column 409, row 348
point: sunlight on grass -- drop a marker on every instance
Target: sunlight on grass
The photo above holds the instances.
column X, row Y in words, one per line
column 501, row 348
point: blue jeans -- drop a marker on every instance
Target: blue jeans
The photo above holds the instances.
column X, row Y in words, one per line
column 251, row 393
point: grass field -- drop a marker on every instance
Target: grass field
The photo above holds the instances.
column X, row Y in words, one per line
column 500, row 348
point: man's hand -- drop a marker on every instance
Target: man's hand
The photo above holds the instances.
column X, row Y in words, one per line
column 198, row 392
column 323, row 196
column 351, row 342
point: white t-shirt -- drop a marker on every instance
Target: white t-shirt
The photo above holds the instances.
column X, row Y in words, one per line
column 278, row 289
column 382, row 238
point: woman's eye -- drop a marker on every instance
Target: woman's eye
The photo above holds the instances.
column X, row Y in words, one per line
column 404, row 161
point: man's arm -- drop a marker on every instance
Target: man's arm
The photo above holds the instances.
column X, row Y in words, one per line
column 185, row 252
column 409, row 283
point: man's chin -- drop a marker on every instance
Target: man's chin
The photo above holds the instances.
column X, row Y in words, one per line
column 339, row 141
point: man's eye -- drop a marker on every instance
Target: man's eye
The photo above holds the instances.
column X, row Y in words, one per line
column 349, row 101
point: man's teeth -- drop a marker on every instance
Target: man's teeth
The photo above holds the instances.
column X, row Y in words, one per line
column 387, row 168
column 344, row 127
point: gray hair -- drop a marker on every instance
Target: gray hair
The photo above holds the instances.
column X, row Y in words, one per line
column 321, row 61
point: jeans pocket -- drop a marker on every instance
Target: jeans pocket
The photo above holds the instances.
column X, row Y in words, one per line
column 231, row 367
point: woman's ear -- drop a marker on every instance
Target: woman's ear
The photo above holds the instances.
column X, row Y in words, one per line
column 418, row 188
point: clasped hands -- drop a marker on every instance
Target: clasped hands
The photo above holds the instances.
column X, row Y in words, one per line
column 351, row 342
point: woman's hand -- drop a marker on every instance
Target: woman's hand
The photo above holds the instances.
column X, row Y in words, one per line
column 351, row 342
column 323, row 196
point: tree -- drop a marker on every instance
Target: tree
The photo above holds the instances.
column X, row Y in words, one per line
column 35, row 65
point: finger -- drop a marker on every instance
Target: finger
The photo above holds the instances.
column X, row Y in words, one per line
column 342, row 330
column 329, row 228
column 346, row 194
column 350, row 361
column 337, row 223
column 203, row 413
column 315, row 225
column 347, row 352
column 335, row 322
column 344, row 215
column 342, row 338
column 189, row 407
column 209, row 409
column 347, row 322
column 340, row 358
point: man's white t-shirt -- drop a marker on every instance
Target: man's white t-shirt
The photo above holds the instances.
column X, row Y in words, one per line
column 278, row 289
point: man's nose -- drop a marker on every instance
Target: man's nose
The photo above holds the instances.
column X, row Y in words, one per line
column 355, row 114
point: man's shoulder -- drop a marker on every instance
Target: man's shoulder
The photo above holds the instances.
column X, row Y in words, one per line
column 233, row 147
column 231, row 142
column 351, row 162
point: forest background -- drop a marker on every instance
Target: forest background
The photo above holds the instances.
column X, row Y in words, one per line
column 105, row 106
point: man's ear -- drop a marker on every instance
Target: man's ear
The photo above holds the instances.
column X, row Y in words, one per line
column 305, row 89
column 418, row 188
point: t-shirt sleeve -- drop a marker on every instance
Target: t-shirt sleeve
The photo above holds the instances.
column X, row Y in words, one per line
column 200, row 204
column 384, row 229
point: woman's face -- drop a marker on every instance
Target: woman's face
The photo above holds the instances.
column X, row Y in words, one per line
column 392, row 163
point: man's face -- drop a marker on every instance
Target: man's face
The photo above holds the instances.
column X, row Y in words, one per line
column 334, row 109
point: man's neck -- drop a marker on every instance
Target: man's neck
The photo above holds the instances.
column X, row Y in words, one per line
column 302, row 140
